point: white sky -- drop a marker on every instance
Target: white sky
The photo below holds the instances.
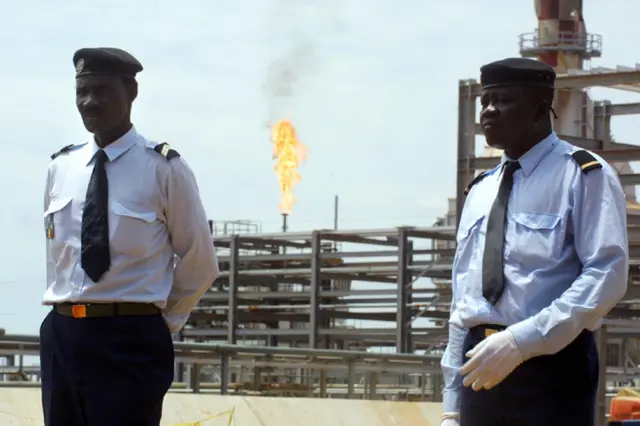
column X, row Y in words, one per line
column 375, row 100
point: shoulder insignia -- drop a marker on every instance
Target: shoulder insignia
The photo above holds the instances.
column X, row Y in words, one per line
column 166, row 151
column 586, row 161
column 62, row 151
column 479, row 178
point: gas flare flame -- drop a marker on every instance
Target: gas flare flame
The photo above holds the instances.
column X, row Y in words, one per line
column 289, row 153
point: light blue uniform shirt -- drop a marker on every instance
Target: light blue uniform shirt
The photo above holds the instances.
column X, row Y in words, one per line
column 566, row 256
column 155, row 214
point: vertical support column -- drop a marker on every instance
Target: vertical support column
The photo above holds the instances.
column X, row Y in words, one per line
column 11, row 362
column 272, row 339
column 323, row 383
column 257, row 377
column 194, row 378
column 232, row 313
column 314, row 291
column 351, row 378
column 601, row 403
column 423, row 386
column 466, row 141
column 372, row 385
column 624, row 355
column 309, row 382
column 224, row 373
column 411, row 310
column 436, row 380
column 403, row 279
column 602, row 123
column 315, row 318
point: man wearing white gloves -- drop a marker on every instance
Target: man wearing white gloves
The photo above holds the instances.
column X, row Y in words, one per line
column 541, row 257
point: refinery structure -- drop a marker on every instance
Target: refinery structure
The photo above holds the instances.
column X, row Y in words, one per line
column 388, row 290
column 346, row 312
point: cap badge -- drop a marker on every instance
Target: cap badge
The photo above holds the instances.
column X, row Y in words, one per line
column 79, row 66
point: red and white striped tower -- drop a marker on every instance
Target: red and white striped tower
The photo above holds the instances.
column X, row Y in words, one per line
column 561, row 30
column 562, row 42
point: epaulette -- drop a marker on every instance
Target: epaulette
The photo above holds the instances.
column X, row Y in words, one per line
column 476, row 180
column 586, row 161
column 62, row 151
column 166, row 151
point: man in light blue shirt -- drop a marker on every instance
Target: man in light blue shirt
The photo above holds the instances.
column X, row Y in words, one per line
column 542, row 256
column 129, row 254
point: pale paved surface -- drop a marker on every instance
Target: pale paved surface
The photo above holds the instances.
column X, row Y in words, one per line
column 21, row 407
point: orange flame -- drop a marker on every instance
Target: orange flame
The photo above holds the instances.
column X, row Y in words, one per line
column 289, row 153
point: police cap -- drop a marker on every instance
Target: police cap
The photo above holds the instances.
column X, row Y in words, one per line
column 517, row 72
column 105, row 61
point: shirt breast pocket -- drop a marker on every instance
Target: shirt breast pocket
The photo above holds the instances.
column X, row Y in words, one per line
column 470, row 240
column 132, row 229
column 57, row 220
column 534, row 239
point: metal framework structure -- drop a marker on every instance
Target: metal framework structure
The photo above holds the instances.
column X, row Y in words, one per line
column 295, row 289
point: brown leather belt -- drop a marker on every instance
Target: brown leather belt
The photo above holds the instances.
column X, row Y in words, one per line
column 94, row 310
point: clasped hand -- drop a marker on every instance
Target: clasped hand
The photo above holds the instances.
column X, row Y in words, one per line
column 491, row 361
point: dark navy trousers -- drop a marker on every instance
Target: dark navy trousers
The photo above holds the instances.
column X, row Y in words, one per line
column 550, row 390
column 107, row 371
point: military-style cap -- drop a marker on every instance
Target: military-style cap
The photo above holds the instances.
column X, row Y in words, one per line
column 517, row 72
column 105, row 61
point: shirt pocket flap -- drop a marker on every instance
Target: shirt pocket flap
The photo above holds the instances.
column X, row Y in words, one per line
column 57, row 204
column 537, row 220
column 121, row 210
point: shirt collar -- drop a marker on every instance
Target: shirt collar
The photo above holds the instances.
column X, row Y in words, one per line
column 114, row 149
column 530, row 160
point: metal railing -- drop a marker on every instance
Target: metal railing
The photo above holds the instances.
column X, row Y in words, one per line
column 223, row 356
column 588, row 45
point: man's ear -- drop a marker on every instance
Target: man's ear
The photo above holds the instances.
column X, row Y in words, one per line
column 133, row 90
column 131, row 86
column 543, row 110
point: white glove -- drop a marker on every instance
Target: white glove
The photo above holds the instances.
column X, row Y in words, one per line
column 450, row 422
column 491, row 361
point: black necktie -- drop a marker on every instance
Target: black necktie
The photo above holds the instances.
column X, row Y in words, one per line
column 95, row 257
column 493, row 260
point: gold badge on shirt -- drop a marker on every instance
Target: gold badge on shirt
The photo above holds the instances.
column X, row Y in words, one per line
column 50, row 228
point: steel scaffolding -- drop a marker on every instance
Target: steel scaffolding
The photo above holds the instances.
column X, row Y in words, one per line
column 295, row 289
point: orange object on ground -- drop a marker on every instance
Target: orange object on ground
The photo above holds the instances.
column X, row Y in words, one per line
column 624, row 408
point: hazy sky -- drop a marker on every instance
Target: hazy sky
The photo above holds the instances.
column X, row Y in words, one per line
column 373, row 87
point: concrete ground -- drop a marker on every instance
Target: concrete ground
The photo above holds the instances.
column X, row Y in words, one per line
column 21, row 407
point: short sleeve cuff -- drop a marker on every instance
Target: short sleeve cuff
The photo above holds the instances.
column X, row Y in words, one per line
column 451, row 401
column 528, row 338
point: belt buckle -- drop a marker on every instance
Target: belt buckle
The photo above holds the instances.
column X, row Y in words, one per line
column 489, row 331
column 79, row 311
